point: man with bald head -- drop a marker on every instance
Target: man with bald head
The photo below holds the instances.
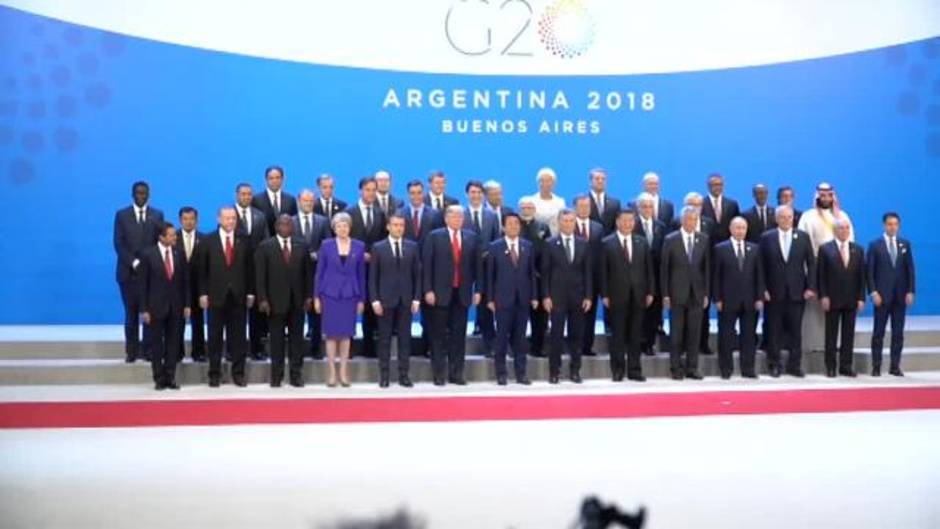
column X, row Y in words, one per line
column 842, row 295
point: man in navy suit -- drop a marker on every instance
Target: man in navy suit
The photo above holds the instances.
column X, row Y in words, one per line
column 452, row 270
column 384, row 198
column 719, row 208
column 136, row 227
column 483, row 222
column 654, row 231
column 604, row 208
column 368, row 226
column 663, row 210
column 274, row 201
column 495, row 202
column 253, row 228
column 511, row 291
column 790, row 279
column 165, row 298
column 627, row 291
column 684, row 282
column 737, row 293
column 592, row 232
column 437, row 196
column 566, row 283
column 186, row 242
column 841, row 265
column 395, row 293
column 328, row 204
column 420, row 220
column 890, row 269
column 313, row 229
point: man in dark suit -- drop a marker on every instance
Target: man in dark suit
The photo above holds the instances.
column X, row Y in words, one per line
column 384, row 198
column 707, row 227
column 253, row 228
column 368, row 226
column 760, row 217
column 420, row 220
column 165, row 298
column 592, row 232
column 494, row 201
column 187, row 241
column 284, row 286
column 719, row 208
column 437, row 196
column 684, row 282
column 663, row 210
column 274, row 201
column 328, row 204
column 787, row 197
column 790, row 278
column 654, row 231
column 537, row 233
column 511, row 292
column 890, row 269
column 452, row 269
column 841, row 265
column 313, row 229
column 226, row 289
column 737, row 292
column 136, row 227
column 604, row 209
column 627, row 291
column 483, row 222
column 566, row 283
column 395, row 293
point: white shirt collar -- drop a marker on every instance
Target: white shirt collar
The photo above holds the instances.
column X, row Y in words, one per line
column 362, row 205
column 225, row 234
column 686, row 234
column 510, row 242
column 282, row 240
column 475, row 209
column 393, row 240
column 888, row 238
column 627, row 238
column 419, row 209
column 139, row 209
column 163, row 248
column 451, row 233
column 272, row 194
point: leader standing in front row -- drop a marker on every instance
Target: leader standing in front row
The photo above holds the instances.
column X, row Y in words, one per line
column 890, row 266
column 842, row 296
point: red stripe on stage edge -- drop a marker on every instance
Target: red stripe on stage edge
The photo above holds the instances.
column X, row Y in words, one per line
column 206, row 412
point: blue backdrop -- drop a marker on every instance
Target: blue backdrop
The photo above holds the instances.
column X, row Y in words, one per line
column 83, row 113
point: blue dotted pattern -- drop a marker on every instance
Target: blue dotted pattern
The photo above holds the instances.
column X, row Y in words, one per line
column 920, row 98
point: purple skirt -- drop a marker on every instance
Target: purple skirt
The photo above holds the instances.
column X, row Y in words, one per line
column 338, row 319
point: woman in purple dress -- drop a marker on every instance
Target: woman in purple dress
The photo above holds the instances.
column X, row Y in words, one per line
column 339, row 293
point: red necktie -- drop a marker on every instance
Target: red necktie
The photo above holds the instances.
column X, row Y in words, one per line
column 168, row 264
column 285, row 253
column 416, row 223
column 455, row 249
column 229, row 251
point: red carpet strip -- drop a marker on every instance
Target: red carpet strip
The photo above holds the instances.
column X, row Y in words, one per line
column 212, row 412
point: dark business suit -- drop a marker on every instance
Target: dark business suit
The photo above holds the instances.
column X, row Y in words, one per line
column 666, row 211
column 417, row 229
column 287, row 206
column 567, row 282
column 893, row 281
column 626, row 280
column 537, row 233
column 708, row 227
column 285, row 285
column 512, row 287
column 334, row 205
column 487, row 228
column 313, row 230
column 729, row 210
column 685, row 279
column 227, row 286
column 392, row 203
column 395, row 282
column 197, row 317
column 447, row 201
column 257, row 322
column 369, row 235
column 131, row 237
column 738, row 283
column 786, row 280
column 594, row 239
column 845, row 287
column 500, row 213
column 453, row 287
column 611, row 208
column 758, row 224
column 165, row 299
column 653, row 317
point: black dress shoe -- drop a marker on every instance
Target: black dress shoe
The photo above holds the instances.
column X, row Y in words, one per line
column 146, row 358
column 130, row 359
column 774, row 371
column 159, row 386
column 831, row 372
column 240, row 381
column 848, row 373
column 896, row 371
column 694, row 375
column 524, row 381
column 726, row 376
column 876, row 371
column 637, row 377
column 275, row 383
column 707, row 351
column 798, row 373
column 200, row 359
column 383, row 382
column 458, row 381
column 172, row 385
column 501, row 381
column 575, row 377
column 438, row 381
column 749, row 374
column 214, row 382
column 676, row 376
column 405, row 382
column 552, row 379
column 297, row 382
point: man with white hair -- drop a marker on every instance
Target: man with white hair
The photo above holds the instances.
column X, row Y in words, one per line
column 387, row 202
column 709, row 227
column 536, row 233
column 662, row 208
column 547, row 203
column 842, row 284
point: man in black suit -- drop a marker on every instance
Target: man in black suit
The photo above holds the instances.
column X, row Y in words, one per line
column 604, row 209
column 719, row 208
column 136, row 227
column 663, row 210
column 274, row 201
column 226, row 289
column 654, row 231
column 760, row 217
column 841, row 265
column 437, row 196
column 511, row 292
column 494, row 201
column 253, row 228
column 420, row 220
column 787, row 197
column 452, row 269
column 395, row 293
column 684, row 282
column 284, row 286
column 165, row 298
column 708, row 227
column 737, row 292
column 384, row 198
column 313, row 229
column 890, row 269
column 328, row 204
column 368, row 226
column 627, row 291
column 566, row 283
column 790, row 278
column 592, row 232
column 187, row 241
column 536, row 232
column 483, row 222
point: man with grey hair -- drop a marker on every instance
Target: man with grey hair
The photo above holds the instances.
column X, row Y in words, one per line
column 654, row 231
column 842, row 284
column 494, row 201
column 662, row 208
column 684, row 283
column 313, row 229
column 708, row 227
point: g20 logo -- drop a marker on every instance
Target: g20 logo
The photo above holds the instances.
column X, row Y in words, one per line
column 564, row 28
